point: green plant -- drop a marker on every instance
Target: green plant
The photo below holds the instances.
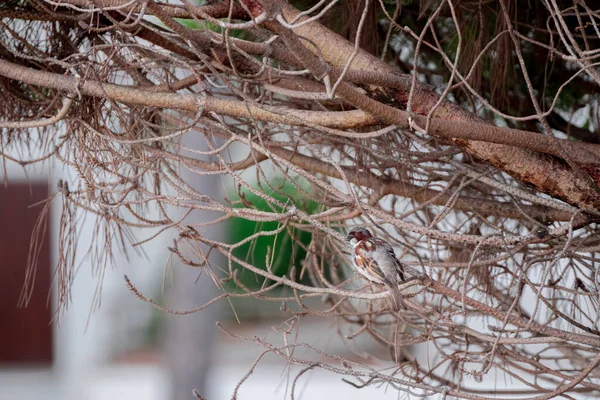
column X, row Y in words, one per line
column 279, row 252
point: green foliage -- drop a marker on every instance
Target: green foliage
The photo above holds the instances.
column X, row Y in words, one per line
column 207, row 25
column 280, row 251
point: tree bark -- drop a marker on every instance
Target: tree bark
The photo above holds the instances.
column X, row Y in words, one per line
column 547, row 174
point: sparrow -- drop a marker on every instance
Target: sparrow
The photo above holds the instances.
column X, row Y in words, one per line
column 376, row 260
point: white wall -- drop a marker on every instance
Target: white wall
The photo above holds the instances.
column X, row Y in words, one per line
column 86, row 337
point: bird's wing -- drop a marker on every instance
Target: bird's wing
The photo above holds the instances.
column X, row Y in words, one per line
column 399, row 267
column 390, row 250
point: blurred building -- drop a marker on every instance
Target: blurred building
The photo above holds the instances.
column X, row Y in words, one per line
column 104, row 333
column 107, row 344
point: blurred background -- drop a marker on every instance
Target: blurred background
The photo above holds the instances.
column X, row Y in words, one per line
column 106, row 344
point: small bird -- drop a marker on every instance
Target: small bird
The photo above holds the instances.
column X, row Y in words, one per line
column 376, row 260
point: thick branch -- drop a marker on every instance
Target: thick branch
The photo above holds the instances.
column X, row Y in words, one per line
column 545, row 173
column 422, row 194
column 534, row 168
column 145, row 97
column 581, row 152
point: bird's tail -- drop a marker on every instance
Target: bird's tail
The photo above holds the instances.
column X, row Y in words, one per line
column 397, row 299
